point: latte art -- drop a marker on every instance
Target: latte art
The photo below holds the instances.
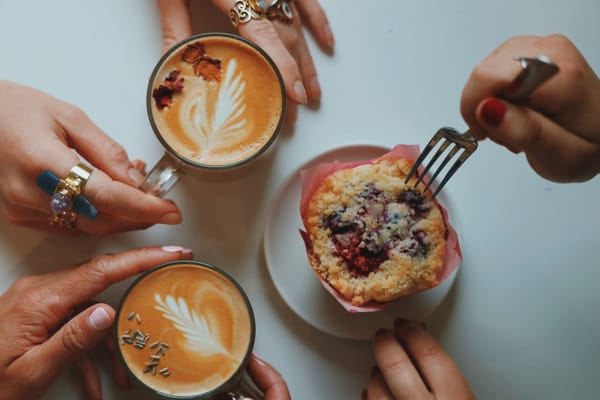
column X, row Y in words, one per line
column 213, row 116
column 184, row 329
column 196, row 329
column 216, row 101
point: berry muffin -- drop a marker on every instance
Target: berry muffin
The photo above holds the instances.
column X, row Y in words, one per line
column 372, row 237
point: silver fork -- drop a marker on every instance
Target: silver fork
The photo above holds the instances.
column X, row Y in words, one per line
column 535, row 72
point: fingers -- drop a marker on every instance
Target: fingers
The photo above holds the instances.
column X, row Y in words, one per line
column 552, row 151
column 117, row 198
column 268, row 379
column 71, row 342
column 74, row 286
column 176, row 21
column 90, row 378
column 437, row 369
column 316, row 19
column 96, row 146
column 377, row 387
column 402, row 378
column 119, row 373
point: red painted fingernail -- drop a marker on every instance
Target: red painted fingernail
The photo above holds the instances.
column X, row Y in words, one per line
column 492, row 111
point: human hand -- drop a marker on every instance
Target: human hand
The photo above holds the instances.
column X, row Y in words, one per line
column 38, row 133
column 285, row 43
column 39, row 344
column 411, row 364
column 267, row 379
column 558, row 128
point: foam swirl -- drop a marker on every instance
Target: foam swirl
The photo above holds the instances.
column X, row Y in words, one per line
column 192, row 325
column 215, row 114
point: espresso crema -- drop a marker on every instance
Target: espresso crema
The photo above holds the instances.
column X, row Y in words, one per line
column 184, row 330
column 224, row 101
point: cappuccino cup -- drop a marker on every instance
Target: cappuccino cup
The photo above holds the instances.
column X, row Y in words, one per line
column 185, row 330
column 215, row 101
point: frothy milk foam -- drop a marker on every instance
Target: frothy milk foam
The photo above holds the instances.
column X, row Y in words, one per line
column 225, row 120
column 184, row 330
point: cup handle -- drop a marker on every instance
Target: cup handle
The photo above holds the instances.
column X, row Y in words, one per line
column 162, row 177
column 243, row 389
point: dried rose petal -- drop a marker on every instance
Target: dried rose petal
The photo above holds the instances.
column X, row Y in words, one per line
column 208, row 68
column 163, row 96
column 174, row 80
column 193, row 52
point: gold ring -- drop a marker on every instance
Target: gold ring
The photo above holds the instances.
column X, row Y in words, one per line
column 246, row 10
column 66, row 192
column 280, row 10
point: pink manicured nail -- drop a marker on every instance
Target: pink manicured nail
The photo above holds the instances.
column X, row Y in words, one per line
column 300, row 92
column 99, row 319
column 136, row 176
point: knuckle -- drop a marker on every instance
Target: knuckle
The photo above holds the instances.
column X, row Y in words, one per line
column 97, row 269
column 556, row 41
column 23, row 284
column 265, row 30
column 72, row 114
column 428, row 352
column 116, row 153
column 74, row 338
column 15, row 194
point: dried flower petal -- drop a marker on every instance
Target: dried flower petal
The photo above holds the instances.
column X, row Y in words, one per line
column 174, row 80
column 163, row 96
column 208, row 68
column 193, row 52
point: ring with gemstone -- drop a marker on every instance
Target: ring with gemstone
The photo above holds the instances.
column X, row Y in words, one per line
column 67, row 198
column 246, row 10
column 280, row 10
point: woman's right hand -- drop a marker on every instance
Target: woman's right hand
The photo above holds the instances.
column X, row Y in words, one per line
column 39, row 132
column 558, row 128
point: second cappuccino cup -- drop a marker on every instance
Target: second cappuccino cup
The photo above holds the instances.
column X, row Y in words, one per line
column 185, row 330
column 216, row 102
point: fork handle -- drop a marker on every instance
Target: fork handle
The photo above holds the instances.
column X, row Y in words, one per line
column 535, row 71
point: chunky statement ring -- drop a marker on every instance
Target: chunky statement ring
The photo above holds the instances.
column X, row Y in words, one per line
column 245, row 10
column 280, row 10
column 67, row 198
column 65, row 194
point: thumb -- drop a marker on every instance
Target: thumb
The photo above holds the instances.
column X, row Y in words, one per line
column 76, row 338
column 552, row 151
column 176, row 21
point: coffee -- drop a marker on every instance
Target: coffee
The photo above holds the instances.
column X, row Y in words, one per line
column 185, row 329
column 216, row 100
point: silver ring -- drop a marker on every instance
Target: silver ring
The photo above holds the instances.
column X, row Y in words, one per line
column 280, row 10
column 246, row 10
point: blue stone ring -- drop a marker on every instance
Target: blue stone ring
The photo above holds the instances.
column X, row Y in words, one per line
column 67, row 199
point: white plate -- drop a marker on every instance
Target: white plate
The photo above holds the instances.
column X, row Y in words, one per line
column 297, row 283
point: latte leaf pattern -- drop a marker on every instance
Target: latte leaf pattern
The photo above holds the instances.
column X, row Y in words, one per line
column 194, row 327
column 226, row 123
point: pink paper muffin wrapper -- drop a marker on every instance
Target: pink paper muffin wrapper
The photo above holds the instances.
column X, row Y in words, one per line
column 311, row 180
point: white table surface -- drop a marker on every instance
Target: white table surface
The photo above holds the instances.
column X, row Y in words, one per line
column 522, row 318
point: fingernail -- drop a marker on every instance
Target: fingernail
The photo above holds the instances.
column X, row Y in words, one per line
column 363, row 395
column 328, row 35
column 492, row 111
column 136, row 176
column 260, row 361
column 99, row 319
column 174, row 249
column 300, row 92
column 171, row 218
column 315, row 88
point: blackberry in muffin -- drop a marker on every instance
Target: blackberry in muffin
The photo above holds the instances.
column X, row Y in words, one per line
column 372, row 237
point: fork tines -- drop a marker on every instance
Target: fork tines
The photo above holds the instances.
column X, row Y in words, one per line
column 459, row 146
